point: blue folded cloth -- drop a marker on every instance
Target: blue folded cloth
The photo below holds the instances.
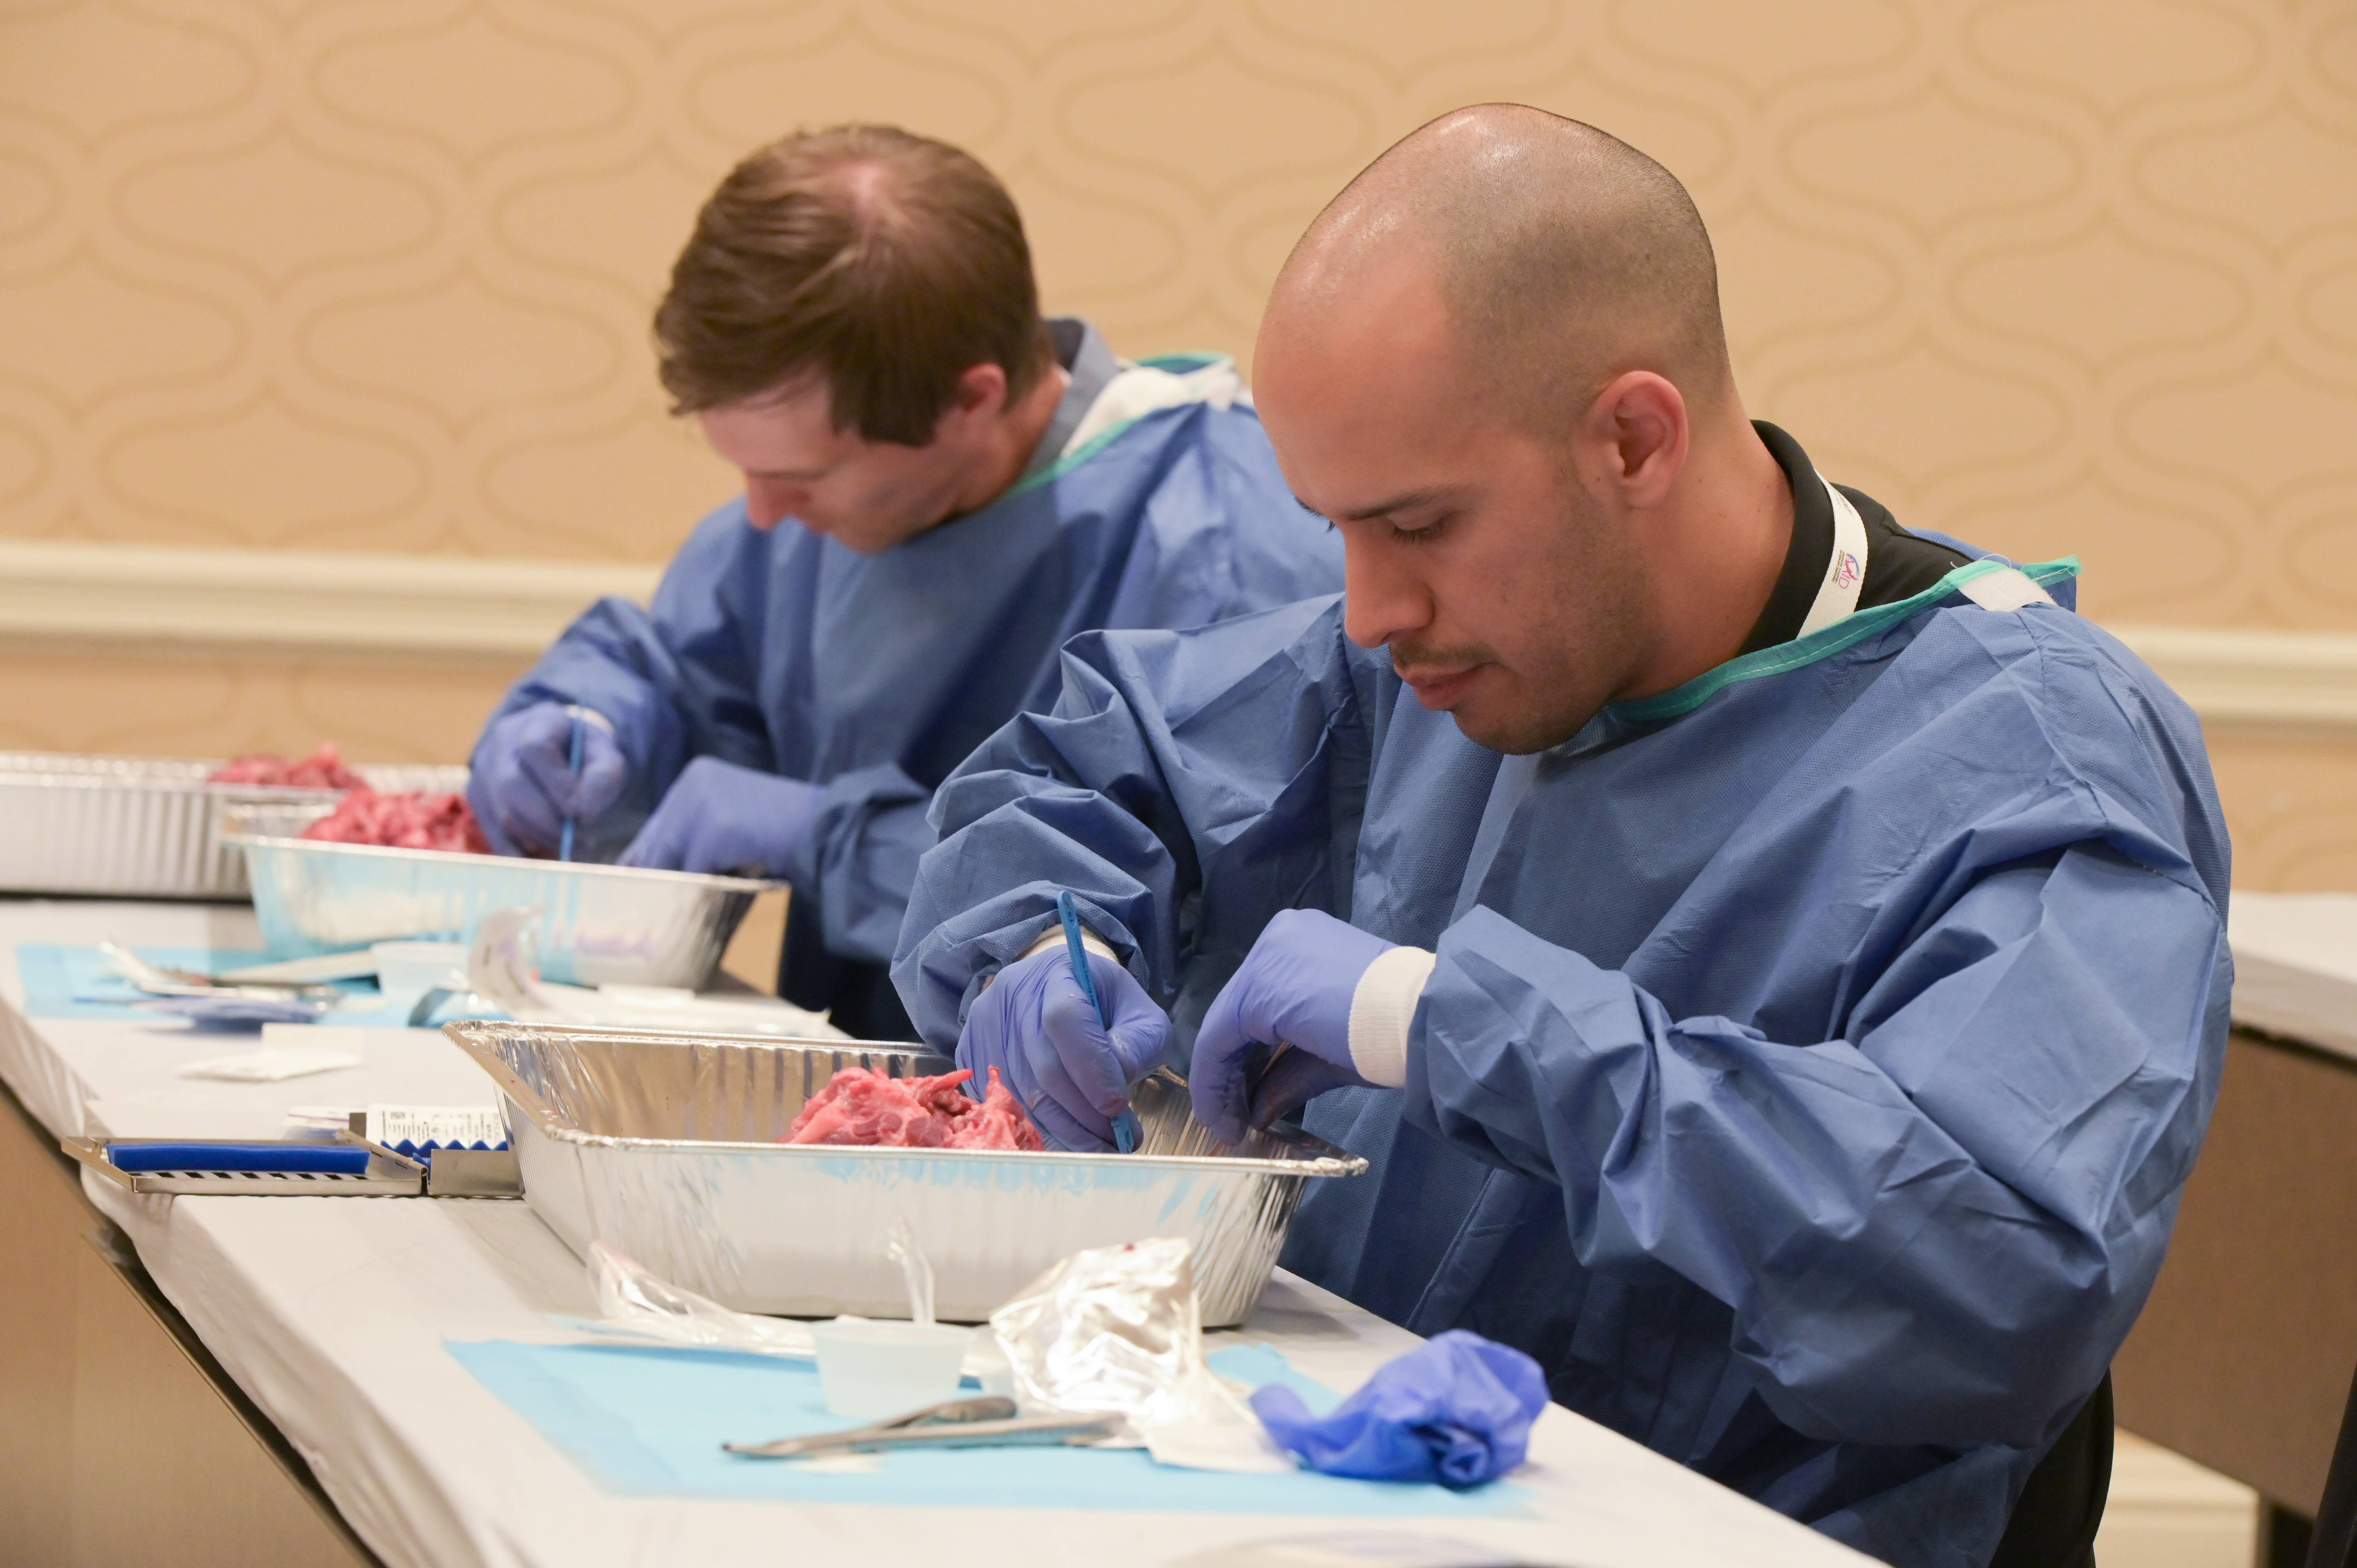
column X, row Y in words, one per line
column 1456, row 1409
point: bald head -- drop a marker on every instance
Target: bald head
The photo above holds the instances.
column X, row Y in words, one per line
column 1563, row 257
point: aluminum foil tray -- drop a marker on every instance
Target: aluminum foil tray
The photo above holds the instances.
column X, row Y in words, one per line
column 667, row 1149
column 142, row 827
column 601, row 925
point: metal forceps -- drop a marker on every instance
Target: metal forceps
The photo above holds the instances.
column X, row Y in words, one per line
column 989, row 1421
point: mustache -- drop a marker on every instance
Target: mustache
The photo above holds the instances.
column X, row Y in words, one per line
column 1408, row 655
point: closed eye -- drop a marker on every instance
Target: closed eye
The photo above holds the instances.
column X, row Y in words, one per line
column 1428, row 534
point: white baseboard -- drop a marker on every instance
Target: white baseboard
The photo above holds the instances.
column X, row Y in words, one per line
column 318, row 604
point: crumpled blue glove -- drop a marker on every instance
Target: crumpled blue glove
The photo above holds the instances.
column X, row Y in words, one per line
column 1294, row 988
column 723, row 818
column 1456, row 1410
column 1053, row 1053
column 522, row 783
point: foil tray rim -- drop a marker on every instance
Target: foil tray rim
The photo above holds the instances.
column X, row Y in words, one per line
column 461, row 857
column 463, row 1033
column 1338, row 1164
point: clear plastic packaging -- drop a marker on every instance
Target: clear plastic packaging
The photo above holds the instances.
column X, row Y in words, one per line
column 636, row 1300
column 1118, row 1330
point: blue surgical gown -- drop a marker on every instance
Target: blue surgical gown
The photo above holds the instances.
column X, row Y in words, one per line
column 1813, row 1056
column 875, row 675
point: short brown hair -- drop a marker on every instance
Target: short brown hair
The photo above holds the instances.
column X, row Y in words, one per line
column 887, row 262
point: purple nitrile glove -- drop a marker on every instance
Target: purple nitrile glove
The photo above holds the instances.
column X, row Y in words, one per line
column 1294, row 988
column 522, row 783
column 1456, row 1410
column 723, row 818
column 1071, row 1073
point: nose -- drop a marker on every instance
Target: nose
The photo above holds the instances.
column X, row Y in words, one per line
column 768, row 504
column 1382, row 598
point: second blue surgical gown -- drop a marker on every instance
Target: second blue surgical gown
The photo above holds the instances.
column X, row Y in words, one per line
column 875, row 675
column 1815, row 1053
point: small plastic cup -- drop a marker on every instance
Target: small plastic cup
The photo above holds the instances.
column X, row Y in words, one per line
column 869, row 1367
column 407, row 970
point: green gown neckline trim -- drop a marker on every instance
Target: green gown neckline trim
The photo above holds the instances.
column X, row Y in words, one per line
column 1825, row 642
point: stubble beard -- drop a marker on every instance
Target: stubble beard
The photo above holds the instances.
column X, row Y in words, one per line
column 1588, row 610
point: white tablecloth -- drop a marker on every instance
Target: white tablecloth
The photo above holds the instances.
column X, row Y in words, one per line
column 331, row 1314
column 2296, row 965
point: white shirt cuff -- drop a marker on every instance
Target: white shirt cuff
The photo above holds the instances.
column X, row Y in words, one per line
column 1053, row 936
column 1381, row 1009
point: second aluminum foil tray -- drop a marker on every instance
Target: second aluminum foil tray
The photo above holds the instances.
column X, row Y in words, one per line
column 600, row 925
column 667, row 1148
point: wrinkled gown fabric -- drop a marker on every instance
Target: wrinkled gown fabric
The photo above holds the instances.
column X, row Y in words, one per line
column 875, row 675
column 1809, row 1070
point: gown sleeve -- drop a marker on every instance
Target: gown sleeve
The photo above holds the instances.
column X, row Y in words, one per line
column 1924, row 1228
column 1185, row 788
column 861, row 856
column 1220, row 537
column 676, row 678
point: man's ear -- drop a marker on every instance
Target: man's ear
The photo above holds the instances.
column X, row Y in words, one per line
column 1632, row 442
column 981, row 392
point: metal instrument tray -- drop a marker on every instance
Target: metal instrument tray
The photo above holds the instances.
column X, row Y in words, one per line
column 143, row 827
column 388, row 1174
column 667, row 1148
column 601, row 924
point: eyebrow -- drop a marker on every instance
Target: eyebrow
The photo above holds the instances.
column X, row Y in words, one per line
column 1405, row 502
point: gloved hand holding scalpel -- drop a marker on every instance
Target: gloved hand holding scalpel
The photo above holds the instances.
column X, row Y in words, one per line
column 1069, row 1051
column 1317, row 1004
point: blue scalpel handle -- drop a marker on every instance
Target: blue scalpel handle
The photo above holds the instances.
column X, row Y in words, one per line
column 323, row 1159
column 565, row 833
column 1126, row 1133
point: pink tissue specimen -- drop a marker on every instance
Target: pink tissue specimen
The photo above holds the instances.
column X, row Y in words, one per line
column 323, row 769
column 863, row 1106
column 416, row 821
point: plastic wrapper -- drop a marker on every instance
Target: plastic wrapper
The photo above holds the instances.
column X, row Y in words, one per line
column 635, row 1300
column 1119, row 1331
column 238, row 1013
column 900, row 1246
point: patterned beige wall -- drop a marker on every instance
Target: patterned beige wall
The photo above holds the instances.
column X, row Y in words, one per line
column 373, row 275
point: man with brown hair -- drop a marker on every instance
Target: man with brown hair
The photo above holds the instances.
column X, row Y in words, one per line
column 1772, row 960
column 941, row 488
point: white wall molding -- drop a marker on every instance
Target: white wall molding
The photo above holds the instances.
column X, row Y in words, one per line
column 318, row 603
column 2256, row 678
column 285, row 603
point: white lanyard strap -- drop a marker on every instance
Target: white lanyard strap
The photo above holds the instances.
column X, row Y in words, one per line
column 1845, row 572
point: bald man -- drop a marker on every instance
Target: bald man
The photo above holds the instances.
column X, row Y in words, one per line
column 1773, row 960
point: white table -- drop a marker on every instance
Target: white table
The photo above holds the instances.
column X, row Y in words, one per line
column 2295, row 966
column 331, row 1314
